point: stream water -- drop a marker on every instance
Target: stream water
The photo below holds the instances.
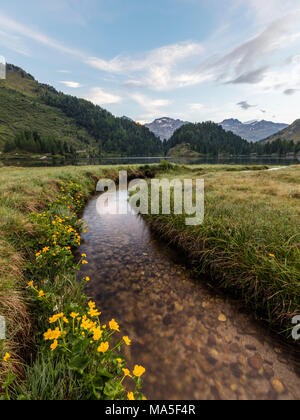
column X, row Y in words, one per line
column 193, row 342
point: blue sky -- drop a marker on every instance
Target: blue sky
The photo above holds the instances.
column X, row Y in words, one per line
column 195, row 60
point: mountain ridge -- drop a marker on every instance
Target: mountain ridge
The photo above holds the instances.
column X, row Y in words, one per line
column 291, row 132
column 252, row 131
column 165, row 127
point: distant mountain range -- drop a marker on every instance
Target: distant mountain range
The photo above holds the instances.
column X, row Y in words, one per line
column 292, row 132
column 252, row 131
column 165, row 127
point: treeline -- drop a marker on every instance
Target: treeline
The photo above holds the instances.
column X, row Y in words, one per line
column 211, row 139
column 33, row 142
column 118, row 136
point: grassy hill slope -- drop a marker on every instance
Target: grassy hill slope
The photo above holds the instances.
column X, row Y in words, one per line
column 292, row 132
column 22, row 109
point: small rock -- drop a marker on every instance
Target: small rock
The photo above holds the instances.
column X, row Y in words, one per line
column 211, row 341
column 234, row 348
column 250, row 347
column 178, row 307
column 236, row 370
column 256, row 361
column 269, row 372
column 277, row 385
column 222, row 318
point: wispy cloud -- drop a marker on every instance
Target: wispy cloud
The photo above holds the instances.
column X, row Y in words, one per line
column 71, row 84
column 241, row 64
column 290, row 92
column 244, row 105
column 17, row 28
column 152, row 107
column 99, row 97
column 156, row 69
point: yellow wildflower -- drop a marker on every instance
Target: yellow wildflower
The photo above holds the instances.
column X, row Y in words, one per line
column 272, row 255
column 54, row 345
column 130, row 396
column 30, row 283
column 113, row 325
column 97, row 334
column 52, row 335
column 84, row 255
column 94, row 313
column 103, row 347
column 41, row 293
column 74, row 315
column 87, row 279
column 84, row 262
column 127, row 341
column 6, row 357
column 66, row 321
column 138, row 371
column 92, row 305
column 120, row 361
column 127, row 373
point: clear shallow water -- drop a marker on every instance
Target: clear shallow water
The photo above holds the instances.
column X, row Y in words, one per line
column 173, row 320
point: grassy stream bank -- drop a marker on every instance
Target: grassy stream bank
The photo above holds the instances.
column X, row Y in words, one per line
column 249, row 241
column 56, row 346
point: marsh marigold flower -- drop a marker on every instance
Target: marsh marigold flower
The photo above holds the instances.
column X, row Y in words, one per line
column 127, row 373
column 30, row 284
column 6, row 357
column 41, row 293
column 84, row 262
column 130, row 396
column 127, row 341
column 54, row 345
column 138, row 371
column 113, row 325
column 74, row 315
column 97, row 334
column 103, row 347
column 272, row 255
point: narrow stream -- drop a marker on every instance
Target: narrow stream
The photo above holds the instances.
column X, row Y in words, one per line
column 194, row 343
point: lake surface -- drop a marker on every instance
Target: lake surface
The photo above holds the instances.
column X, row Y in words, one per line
column 243, row 160
column 194, row 343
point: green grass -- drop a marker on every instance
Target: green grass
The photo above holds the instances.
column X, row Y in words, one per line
column 25, row 195
column 248, row 218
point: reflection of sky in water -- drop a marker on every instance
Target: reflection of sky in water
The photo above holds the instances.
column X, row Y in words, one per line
column 109, row 204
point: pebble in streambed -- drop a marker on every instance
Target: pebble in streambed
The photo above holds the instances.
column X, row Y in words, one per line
column 193, row 343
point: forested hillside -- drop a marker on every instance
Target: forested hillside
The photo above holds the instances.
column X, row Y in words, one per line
column 211, row 139
column 73, row 124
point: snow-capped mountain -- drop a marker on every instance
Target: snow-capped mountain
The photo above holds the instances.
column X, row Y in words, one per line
column 165, row 127
column 253, row 130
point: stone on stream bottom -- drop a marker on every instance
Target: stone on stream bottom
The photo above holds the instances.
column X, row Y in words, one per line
column 277, row 386
column 256, row 361
column 222, row 318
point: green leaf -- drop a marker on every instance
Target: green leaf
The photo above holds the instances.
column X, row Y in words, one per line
column 79, row 364
column 112, row 388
